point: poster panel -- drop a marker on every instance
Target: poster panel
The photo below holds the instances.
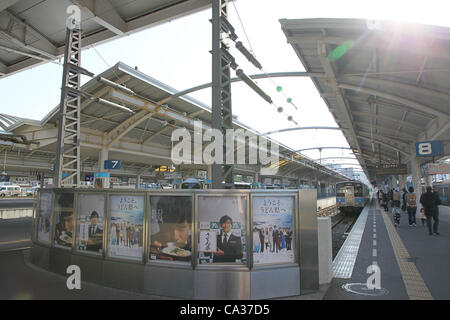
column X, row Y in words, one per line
column 170, row 228
column 64, row 220
column 273, row 234
column 222, row 220
column 126, row 226
column 43, row 217
column 90, row 227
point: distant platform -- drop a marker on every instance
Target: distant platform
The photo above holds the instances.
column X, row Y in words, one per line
column 406, row 257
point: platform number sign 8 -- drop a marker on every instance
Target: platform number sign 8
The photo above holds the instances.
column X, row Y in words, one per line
column 425, row 148
column 429, row 148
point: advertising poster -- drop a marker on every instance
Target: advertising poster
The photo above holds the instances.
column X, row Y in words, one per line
column 170, row 228
column 222, row 229
column 126, row 227
column 273, row 240
column 43, row 217
column 64, row 220
column 91, row 217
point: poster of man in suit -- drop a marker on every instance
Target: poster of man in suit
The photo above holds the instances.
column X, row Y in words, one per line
column 90, row 222
column 223, row 217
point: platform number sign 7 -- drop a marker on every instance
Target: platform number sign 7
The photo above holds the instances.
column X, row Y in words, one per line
column 112, row 164
column 429, row 148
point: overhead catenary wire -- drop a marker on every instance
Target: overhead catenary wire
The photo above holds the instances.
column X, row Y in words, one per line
column 288, row 99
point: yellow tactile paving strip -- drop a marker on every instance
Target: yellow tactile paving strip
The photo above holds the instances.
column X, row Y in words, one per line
column 415, row 286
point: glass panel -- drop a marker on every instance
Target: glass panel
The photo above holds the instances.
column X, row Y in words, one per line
column 91, row 214
column 43, row 218
column 64, row 220
column 170, row 228
column 219, row 216
column 358, row 190
column 273, row 232
column 126, row 226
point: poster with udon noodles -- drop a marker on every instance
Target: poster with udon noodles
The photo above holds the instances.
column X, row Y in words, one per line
column 273, row 234
column 43, row 217
column 126, row 226
column 64, row 220
column 91, row 213
column 222, row 219
column 170, row 228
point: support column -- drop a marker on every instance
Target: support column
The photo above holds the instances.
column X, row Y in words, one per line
column 415, row 168
column 102, row 156
column 402, row 181
column 428, row 181
column 138, row 179
column 221, row 116
column 67, row 169
column 395, row 178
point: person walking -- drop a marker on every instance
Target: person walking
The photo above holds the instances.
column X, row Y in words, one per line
column 411, row 206
column 385, row 201
column 396, row 198
column 404, row 199
column 430, row 202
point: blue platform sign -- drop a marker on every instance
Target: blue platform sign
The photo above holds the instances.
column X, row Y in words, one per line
column 429, row 148
column 112, row 164
column 101, row 175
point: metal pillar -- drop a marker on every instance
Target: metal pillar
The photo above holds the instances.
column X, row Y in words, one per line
column 67, row 169
column 138, row 178
column 221, row 91
column 415, row 168
column 428, row 181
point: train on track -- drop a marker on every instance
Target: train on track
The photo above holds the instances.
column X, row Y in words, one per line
column 443, row 191
column 351, row 196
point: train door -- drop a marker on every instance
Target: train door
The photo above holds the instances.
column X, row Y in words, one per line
column 349, row 195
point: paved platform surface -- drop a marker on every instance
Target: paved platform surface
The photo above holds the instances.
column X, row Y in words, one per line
column 412, row 264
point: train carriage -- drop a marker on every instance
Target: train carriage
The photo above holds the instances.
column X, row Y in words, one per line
column 351, row 196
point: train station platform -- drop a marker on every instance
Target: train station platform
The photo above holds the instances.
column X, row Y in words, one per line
column 412, row 264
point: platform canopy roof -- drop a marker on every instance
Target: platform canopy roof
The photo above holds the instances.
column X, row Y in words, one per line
column 387, row 84
column 33, row 31
column 136, row 127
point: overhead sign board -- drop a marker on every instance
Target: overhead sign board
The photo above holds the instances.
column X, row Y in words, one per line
column 429, row 148
column 389, row 169
column 436, row 168
column 112, row 164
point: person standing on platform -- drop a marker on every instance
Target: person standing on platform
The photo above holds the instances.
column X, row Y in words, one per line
column 385, row 199
column 396, row 198
column 404, row 199
column 411, row 206
column 430, row 202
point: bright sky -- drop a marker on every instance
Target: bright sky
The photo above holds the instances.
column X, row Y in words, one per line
column 177, row 53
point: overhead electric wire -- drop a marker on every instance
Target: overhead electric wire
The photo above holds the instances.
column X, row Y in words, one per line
column 253, row 52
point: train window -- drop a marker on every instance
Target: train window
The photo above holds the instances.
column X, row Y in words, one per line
column 358, row 190
column 340, row 190
column 191, row 186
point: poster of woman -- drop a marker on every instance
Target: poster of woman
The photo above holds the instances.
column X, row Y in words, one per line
column 126, row 226
column 91, row 212
column 43, row 217
column 225, row 218
column 170, row 229
column 273, row 229
column 64, row 220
